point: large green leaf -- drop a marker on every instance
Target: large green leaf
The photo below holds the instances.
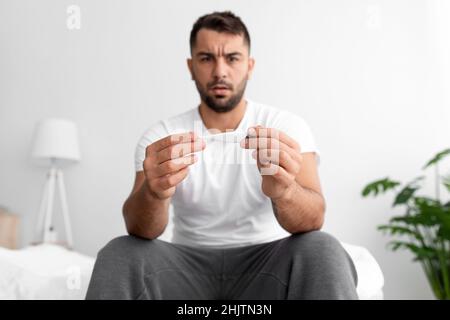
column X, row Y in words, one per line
column 400, row 230
column 416, row 220
column 377, row 186
column 425, row 202
column 404, row 195
column 419, row 251
column 443, row 216
column 428, row 212
column 443, row 234
column 407, row 192
column 438, row 157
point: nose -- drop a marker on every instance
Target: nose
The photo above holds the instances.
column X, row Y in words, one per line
column 220, row 69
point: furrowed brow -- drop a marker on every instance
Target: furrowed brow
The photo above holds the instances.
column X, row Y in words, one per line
column 231, row 54
column 204, row 53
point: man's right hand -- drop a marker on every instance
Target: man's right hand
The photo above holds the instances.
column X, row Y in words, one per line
column 167, row 162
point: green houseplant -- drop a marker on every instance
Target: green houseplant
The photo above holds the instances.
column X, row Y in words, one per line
column 424, row 228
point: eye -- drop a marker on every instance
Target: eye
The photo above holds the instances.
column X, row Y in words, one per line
column 232, row 58
column 205, row 59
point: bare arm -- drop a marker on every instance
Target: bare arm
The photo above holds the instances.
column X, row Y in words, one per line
column 145, row 215
column 290, row 179
column 302, row 207
column 166, row 164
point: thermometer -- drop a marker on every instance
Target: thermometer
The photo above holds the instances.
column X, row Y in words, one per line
column 235, row 136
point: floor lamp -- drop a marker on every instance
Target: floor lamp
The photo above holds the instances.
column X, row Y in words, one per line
column 56, row 146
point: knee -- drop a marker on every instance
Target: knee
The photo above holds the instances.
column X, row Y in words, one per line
column 321, row 249
column 316, row 244
column 118, row 246
column 315, row 239
column 119, row 268
column 128, row 248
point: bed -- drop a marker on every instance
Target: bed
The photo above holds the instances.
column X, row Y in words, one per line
column 52, row 272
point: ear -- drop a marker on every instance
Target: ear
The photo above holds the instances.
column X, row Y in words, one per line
column 189, row 64
column 251, row 65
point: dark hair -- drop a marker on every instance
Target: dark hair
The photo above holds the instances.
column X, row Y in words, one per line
column 225, row 21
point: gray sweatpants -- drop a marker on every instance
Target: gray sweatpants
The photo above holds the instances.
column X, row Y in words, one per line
column 310, row 265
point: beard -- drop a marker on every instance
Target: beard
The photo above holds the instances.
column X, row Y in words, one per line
column 219, row 103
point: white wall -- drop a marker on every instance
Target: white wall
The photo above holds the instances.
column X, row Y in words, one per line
column 370, row 77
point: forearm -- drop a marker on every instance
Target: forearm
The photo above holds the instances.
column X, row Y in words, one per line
column 145, row 215
column 300, row 210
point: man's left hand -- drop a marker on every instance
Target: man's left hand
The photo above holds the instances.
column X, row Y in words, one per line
column 278, row 158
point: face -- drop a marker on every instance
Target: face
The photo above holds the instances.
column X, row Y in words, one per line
column 220, row 66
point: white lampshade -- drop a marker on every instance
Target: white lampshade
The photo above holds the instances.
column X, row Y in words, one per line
column 56, row 141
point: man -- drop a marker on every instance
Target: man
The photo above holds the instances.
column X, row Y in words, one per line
column 246, row 221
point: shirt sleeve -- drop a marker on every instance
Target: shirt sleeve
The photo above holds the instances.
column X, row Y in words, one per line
column 298, row 129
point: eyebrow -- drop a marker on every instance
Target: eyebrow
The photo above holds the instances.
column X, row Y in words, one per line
column 209, row 54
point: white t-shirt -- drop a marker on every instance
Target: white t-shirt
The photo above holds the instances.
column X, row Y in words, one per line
column 220, row 203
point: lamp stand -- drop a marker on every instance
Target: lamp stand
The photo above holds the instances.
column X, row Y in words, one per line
column 45, row 224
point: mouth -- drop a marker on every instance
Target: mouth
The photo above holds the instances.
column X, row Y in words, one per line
column 220, row 90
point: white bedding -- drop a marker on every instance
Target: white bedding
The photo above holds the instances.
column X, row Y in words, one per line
column 370, row 277
column 52, row 272
column 44, row 272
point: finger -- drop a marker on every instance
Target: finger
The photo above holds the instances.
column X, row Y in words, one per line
column 280, row 158
column 179, row 150
column 261, row 143
column 259, row 163
column 171, row 140
column 172, row 180
column 174, row 165
column 270, row 143
column 264, row 132
column 278, row 173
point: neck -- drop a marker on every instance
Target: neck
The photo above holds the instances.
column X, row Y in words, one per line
column 222, row 121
